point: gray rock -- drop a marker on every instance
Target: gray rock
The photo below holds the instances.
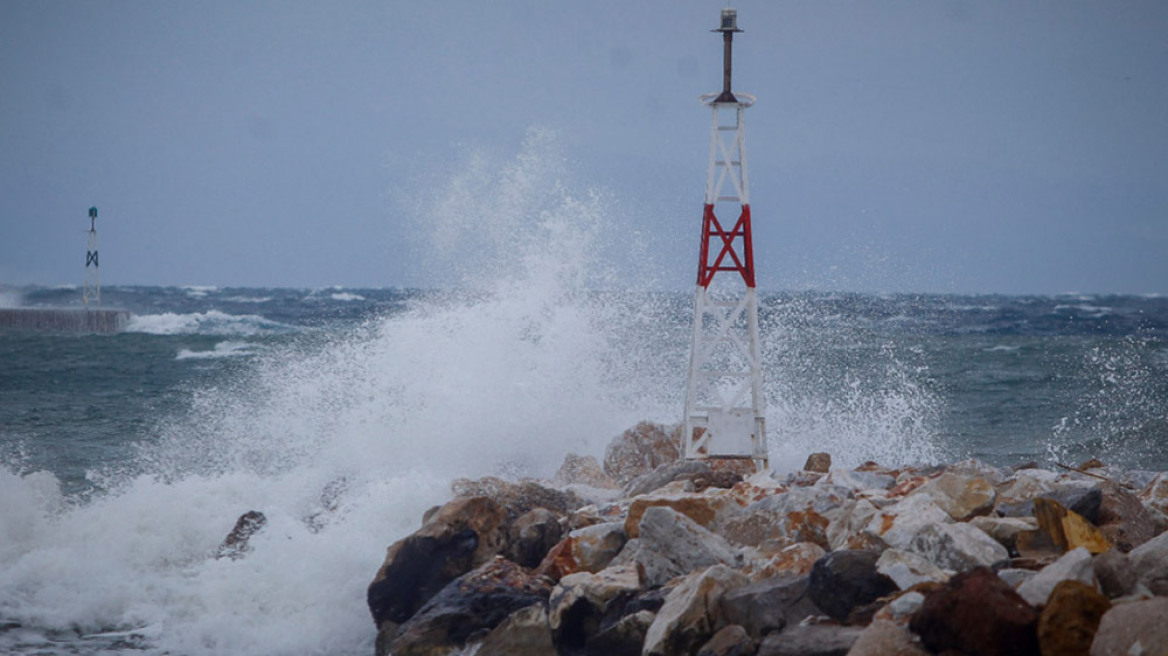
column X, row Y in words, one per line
column 523, row 632
column 898, row 524
column 1114, row 572
column 621, row 638
column 1016, row 577
column 907, row 569
column 884, row 638
column 664, row 475
column 692, row 612
column 1074, row 564
column 730, row 640
column 811, row 640
column 1149, row 563
column 1133, row 628
column 673, row 545
column 577, row 605
column 769, row 605
column 959, row 546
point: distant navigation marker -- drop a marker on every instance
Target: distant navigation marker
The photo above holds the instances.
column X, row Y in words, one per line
column 92, row 291
column 724, row 405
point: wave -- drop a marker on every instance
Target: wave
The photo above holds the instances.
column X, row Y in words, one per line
column 346, row 296
column 211, row 322
column 222, row 350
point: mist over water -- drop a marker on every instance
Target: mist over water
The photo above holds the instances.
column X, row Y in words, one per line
column 345, row 432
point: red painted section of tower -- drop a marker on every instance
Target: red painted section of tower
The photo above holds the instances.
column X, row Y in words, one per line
column 740, row 253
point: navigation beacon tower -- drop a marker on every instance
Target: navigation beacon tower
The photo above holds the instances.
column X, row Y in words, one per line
column 724, row 404
column 92, row 291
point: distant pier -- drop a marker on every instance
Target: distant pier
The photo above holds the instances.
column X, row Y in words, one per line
column 66, row 320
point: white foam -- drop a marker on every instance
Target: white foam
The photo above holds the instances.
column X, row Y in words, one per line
column 229, row 349
column 211, row 322
column 346, row 296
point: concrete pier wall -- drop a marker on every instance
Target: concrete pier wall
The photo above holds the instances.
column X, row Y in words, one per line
column 80, row 320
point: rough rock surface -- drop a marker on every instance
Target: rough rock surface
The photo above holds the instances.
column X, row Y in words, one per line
column 518, row 498
column 977, row 613
column 584, row 470
column 235, row 544
column 1074, row 565
column 1133, row 628
column 885, row 638
column 958, row 546
column 1149, row 563
column 1070, row 619
column 578, row 603
column 811, row 640
column 532, row 535
column 673, row 545
column 641, row 449
column 963, row 497
column 477, row 601
column 769, row 605
column 524, row 632
column 463, row 534
column 1124, row 519
column 907, row 569
column 692, row 612
column 730, row 640
column 841, row 581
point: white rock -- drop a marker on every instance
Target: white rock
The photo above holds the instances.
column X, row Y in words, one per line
column 1074, row 564
column 1149, row 562
column 906, row 604
column 898, row 525
column 672, row 545
column 860, row 480
column 691, row 612
column 957, row 546
column 595, row 589
column 907, row 569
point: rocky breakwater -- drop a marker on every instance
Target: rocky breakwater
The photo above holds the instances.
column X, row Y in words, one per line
column 651, row 555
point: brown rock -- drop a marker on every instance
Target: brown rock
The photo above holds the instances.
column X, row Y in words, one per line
column 1114, row 573
column 979, row 614
column 962, row 497
column 532, row 536
column 702, row 508
column 1127, row 625
column 524, row 632
column 792, row 560
column 518, row 498
column 1066, row 529
column 841, row 581
column 584, row 470
column 640, row 450
column 730, row 640
column 1123, row 519
column 235, row 544
column 1069, row 621
column 463, row 534
column 474, row 603
column 691, row 613
column 818, row 462
column 884, row 638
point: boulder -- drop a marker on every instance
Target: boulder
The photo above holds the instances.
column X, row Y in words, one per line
column 730, row 640
column 680, row 471
column 532, row 535
column 793, row 560
column 461, row 535
column 588, row 549
column 799, row 515
column 235, row 545
column 1005, row 529
column 852, row 479
column 977, row 613
column 518, row 498
column 524, row 632
column 1149, row 563
column 898, row 524
column 672, row 545
column 958, row 547
column 1065, row 529
column 769, row 605
column 1114, row 572
column 842, row 581
column 1123, row 519
column 622, row 637
column 701, row 508
column 1074, row 565
column 845, row 529
column 1077, row 496
column 1155, row 495
column 1133, row 628
column 1068, row 623
column 584, row 470
column 692, row 612
column 811, row 640
column 819, row 463
column 578, row 603
column 907, row 569
column 472, row 604
column 641, row 449
column 962, row 497
column 885, row 638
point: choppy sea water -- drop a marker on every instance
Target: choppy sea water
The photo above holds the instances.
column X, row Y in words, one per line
column 125, row 459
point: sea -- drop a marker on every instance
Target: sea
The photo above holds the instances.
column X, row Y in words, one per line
column 343, row 414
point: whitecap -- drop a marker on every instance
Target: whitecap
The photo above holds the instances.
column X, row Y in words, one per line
column 227, row 349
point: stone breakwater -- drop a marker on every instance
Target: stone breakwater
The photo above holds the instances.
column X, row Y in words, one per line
column 649, row 554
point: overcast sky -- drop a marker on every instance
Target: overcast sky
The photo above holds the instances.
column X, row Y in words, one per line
column 931, row 145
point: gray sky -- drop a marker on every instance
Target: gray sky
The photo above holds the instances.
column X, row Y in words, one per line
column 932, row 145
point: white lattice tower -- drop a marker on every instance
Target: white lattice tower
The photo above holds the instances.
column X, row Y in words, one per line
column 92, row 290
column 724, row 405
